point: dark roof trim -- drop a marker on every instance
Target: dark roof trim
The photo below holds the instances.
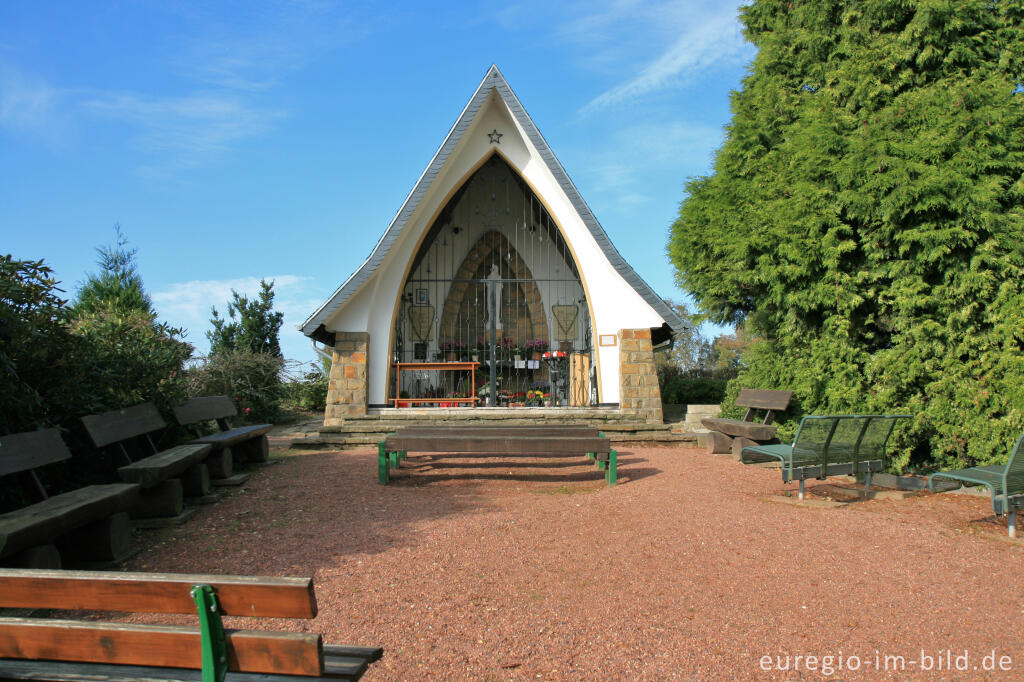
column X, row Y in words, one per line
column 492, row 81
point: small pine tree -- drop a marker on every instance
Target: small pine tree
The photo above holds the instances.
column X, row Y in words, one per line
column 118, row 287
column 251, row 326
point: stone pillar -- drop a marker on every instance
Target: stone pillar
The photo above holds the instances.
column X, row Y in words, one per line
column 638, row 380
column 347, row 389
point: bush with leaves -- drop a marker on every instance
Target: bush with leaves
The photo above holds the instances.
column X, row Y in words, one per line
column 252, row 380
column 42, row 378
column 864, row 218
column 308, row 391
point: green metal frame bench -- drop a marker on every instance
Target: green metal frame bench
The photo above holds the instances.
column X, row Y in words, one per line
column 165, row 476
column 242, row 443
column 74, row 650
column 498, row 440
column 830, row 446
column 1005, row 483
column 89, row 524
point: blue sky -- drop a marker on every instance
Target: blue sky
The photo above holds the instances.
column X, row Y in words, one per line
column 239, row 140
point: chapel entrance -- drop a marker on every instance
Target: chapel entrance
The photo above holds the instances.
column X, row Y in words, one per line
column 494, row 285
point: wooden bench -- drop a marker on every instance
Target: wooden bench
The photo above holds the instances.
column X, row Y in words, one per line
column 76, row 650
column 498, row 440
column 1004, row 482
column 89, row 524
column 243, row 443
column 830, row 446
column 734, row 434
column 164, row 476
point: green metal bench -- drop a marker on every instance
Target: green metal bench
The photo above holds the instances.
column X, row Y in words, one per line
column 830, row 446
column 1005, row 482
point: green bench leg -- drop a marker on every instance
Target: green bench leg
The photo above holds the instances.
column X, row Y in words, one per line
column 383, row 469
column 602, row 464
column 394, row 463
column 612, row 474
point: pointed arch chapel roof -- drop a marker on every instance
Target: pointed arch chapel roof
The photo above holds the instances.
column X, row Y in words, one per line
column 492, row 82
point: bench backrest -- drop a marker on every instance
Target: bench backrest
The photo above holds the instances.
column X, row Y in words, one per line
column 835, row 439
column 156, row 645
column 205, row 408
column 32, row 449
column 757, row 399
column 118, row 425
column 1014, row 476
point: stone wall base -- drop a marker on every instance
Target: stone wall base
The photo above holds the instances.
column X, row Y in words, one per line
column 638, row 380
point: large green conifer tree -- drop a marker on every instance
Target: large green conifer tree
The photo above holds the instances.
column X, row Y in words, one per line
column 865, row 217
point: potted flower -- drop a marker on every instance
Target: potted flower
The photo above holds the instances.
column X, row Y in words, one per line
column 480, row 349
column 451, row 349
column 486, row 394
column 534, row 347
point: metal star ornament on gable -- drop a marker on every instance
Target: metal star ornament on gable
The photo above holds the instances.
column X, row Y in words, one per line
column 495, row 136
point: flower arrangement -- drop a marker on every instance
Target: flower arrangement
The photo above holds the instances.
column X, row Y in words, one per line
column 535, row 398
column 535, row 346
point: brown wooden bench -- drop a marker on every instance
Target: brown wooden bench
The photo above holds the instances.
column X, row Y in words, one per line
column 735, row 434
column 241, row 444
column 60, row 650
column 510, row 441
column 85, row 525
column 165, row 476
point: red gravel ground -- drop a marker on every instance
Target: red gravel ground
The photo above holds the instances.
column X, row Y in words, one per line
column 490, row 569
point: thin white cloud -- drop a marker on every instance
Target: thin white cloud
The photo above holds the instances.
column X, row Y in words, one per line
column 186, row 129
column 712, row 42
column 650, row 147
column 28, row 105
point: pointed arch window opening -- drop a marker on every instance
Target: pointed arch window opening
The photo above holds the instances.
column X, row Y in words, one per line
column 493, row 267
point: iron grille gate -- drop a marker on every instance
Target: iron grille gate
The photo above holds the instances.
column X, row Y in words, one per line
column 493, row 283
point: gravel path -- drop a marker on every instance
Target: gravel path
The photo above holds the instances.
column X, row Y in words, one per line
column 484, row 569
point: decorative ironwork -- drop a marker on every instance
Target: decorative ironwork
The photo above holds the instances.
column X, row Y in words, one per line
column 506, row 289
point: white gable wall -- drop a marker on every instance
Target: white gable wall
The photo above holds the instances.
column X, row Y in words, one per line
column 613, row 302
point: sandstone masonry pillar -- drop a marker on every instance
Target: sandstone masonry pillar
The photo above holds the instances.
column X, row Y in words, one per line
column 347, row 388
column 638, row 379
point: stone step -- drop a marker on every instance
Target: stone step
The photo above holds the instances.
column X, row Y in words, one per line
column 351, row 426
column 487, row 413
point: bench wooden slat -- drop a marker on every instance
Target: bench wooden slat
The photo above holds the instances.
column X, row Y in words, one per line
column 739, row 428
column 51, row 671
column 24, row 451
column 61, row 514
column 267, row 597
column 763, row 399
column 157, row 645
column 163, row 465
column 116, row 425
column 225, row 439
column 505, row 445
column 204, row 408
